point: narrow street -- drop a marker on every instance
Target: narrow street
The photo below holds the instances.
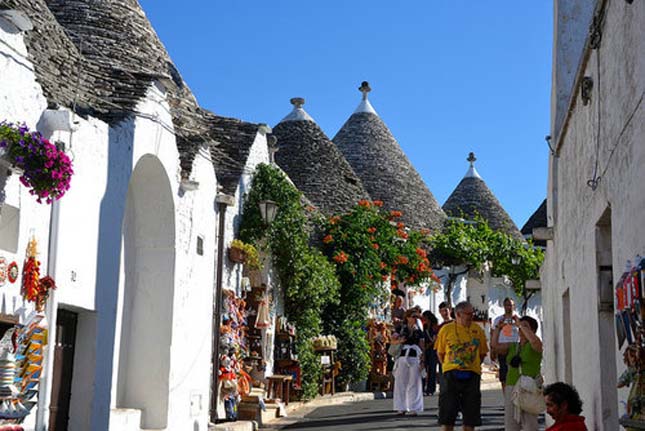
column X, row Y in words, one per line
column 378, row 415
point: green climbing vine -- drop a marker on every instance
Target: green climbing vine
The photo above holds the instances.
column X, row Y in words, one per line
column 308, row 278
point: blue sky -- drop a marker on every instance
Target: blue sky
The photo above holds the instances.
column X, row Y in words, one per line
column 447, row 77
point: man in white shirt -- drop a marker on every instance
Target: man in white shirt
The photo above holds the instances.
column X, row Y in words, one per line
column 508, row 335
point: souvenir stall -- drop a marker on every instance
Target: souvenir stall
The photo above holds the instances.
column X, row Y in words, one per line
column 23, row 337
column 629, row 317
column 247, row 337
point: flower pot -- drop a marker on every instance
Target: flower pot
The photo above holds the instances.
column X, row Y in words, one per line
column 236, row 255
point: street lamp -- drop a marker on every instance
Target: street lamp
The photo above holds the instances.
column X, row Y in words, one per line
column 268, row 210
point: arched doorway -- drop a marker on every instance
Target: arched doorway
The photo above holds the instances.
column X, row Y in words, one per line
column 149, row 268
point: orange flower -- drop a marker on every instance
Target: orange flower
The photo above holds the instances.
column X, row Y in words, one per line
column 384, row 277
column 382, row 265
column 403, row 260
column 378, row 203
column 364, row 203
column 372, row 229
column 334, row 219
column 434, row 278
column 425, row 231
column 328, row 239
column 340, row 257
column 400, row 225
column 402, row 234
column 396, row 213
column 375, row 246
column 421, row 252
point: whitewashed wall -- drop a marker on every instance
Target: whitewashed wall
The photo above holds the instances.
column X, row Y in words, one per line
column 575, row 209
column 21, row 100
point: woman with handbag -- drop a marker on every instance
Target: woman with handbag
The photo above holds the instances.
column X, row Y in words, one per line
column 408, row 391
column 523, row 399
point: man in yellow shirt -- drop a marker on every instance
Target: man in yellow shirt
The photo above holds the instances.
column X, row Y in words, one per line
column 461, row 346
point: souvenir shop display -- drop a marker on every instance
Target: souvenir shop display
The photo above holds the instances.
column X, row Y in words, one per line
column 629, row 317
column 378, row 336
column 21, row 363
column 233, row 382
column 285, row 353
column 326, row 346
column 34, row 288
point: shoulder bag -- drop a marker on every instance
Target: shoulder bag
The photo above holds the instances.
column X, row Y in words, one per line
column 528, row 393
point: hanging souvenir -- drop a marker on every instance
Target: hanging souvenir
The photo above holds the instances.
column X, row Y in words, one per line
column 31, row 272
column 12, row 272
column 263, row 320
column 34, row 288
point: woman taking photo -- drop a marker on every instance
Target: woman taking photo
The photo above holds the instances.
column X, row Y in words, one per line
column 408, row 393
column 523, row 358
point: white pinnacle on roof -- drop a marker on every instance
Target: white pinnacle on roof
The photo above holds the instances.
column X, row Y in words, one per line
column 298, row 114
column 365, row 105
column 472, row 172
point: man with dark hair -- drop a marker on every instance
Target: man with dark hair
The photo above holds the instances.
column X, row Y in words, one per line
column 461, row 346
column 564, row 405
column 508, row 336
column 444, row 312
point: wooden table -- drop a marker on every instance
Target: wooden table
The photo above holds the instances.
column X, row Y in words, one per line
column 279, row 386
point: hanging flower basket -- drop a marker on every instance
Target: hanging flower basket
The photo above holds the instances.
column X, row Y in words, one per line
column 43, row 168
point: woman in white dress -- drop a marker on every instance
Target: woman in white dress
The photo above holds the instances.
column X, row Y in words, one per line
column 408, row 388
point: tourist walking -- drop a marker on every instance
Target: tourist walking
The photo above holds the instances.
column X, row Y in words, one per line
column 461, row 346
column 408, row 392
column 563, row 404
column 430, row 328
column 508, row 334
column 522, row 359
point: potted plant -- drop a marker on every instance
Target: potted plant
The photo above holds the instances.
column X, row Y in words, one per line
column 236, row 252
column 43, row 168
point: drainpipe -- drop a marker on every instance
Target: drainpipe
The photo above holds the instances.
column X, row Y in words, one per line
column 223, row 201
column 52, row 122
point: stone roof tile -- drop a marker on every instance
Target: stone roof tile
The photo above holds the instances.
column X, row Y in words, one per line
column 316, row 167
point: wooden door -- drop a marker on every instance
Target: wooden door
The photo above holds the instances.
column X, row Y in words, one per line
column 63, row 369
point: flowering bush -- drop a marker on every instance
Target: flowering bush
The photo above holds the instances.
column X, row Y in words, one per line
column 45, row 169
column 368, row 245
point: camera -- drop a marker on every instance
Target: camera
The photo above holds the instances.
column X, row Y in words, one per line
column 508, row 321
column 515, row 361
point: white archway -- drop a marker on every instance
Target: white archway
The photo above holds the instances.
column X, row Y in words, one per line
column 149, row 268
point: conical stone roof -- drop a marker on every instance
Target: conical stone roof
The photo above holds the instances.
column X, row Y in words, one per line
column 473, row 197
column 100, row 57
column 314, row 164
column 387, row 174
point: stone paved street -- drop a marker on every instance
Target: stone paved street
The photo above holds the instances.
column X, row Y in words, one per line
column 378, row 415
